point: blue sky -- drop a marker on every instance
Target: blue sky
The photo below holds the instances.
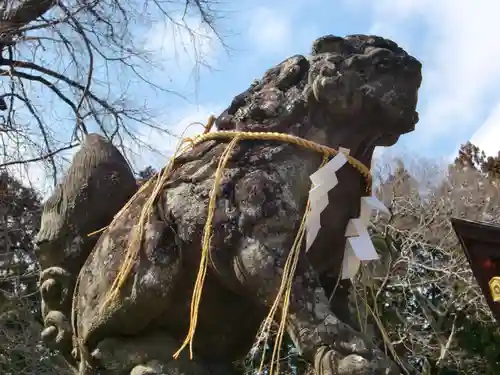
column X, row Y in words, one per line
column 456, row 41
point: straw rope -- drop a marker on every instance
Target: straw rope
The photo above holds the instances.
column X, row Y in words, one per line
column 137, row 235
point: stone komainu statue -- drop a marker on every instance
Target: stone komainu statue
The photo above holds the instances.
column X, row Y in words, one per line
column 356, row 92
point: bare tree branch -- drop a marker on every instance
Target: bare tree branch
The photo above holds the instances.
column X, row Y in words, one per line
column 79, row 64
column 426, row 293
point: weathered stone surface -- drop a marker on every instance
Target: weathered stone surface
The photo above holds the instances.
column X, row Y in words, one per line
column 98, row 183
column 356, row 92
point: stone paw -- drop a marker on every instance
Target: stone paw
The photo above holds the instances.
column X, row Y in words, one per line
column 150, row 369
column 169, row 368
column 54, row 289
column 332, row 362
column 57, row 333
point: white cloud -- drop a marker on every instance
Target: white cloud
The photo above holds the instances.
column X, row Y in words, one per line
column 488, row 135
column 457, row 44
column 270, row 30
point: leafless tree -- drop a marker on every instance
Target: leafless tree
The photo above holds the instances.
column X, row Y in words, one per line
column 422, row 290
column 69, row 67
column 20, row 321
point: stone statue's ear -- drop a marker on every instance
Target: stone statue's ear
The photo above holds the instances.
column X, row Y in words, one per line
column 266, row 104
column 292, row 72
column 97, row 184
column 332, row 44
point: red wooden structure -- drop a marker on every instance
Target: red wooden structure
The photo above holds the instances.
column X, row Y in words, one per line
column 481, row 244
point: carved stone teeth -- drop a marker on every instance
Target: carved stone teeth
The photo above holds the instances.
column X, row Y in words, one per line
column 315, row 89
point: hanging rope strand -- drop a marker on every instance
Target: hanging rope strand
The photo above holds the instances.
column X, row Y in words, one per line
column 283, row 295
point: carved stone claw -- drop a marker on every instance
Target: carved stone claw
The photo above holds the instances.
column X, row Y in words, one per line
column 58, row 330
column 330, row 362
column 53, row 287
column 54, row 273
column 49, row 334
column 51, row 292
column 145, row 370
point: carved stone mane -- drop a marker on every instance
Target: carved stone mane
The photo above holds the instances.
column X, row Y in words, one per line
column 97, row 168
column 98, row 172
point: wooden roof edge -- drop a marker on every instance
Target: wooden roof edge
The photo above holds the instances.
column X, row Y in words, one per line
column 475, row 230
column 474, row 237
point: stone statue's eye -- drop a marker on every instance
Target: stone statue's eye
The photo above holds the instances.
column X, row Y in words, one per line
column 381, row 57
column 383, row 64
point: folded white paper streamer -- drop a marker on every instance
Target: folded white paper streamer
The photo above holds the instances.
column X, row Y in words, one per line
column 324, row 179
column 368, row 205
column 359, row 246
column 351, row 263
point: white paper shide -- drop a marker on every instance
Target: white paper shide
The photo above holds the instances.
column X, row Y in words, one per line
column 359, row 246
column 324, row 179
